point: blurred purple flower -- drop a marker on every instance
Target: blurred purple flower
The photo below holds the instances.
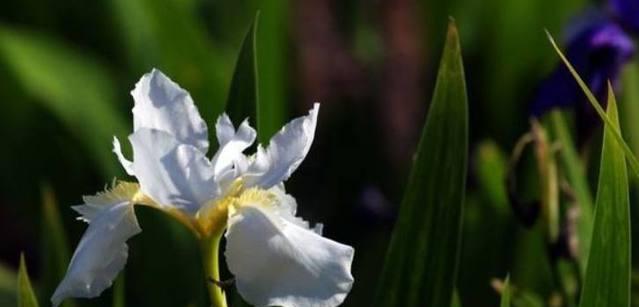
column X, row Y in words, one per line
column 598, row 48
column 626, row 12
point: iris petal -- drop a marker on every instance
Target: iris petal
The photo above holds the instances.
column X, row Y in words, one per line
column 232, row 143
column 279, row 261
column 285, row 152
column 101, row 253
column 163, row 105
column 171, row 173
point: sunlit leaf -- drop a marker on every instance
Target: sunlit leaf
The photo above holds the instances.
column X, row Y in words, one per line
column 421, row 264
column 26, row 296
column 78, row 90
column 607, row 280
column 242, row 101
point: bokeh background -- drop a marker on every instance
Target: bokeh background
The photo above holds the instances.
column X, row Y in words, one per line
column 66, row 69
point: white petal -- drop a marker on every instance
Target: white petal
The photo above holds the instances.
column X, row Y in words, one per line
column 171, row 173
column 126, row 164
column 286, row 150
column 224, row 129
column 277, row 262
column 232, row 143
column 163, row 105
column 100, row 255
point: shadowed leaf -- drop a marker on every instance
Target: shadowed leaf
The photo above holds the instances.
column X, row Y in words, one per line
column 242, row 101
column 421, row 264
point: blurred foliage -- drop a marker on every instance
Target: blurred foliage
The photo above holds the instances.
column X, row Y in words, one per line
column 66, row 68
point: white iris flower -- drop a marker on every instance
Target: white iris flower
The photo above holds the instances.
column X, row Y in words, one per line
column 276, row 258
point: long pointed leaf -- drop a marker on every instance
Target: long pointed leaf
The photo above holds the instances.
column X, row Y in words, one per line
column 242, row 101
column 607, row 280
column 26, row 296
column 614, row 130
column 273, row 47
column 421, row 264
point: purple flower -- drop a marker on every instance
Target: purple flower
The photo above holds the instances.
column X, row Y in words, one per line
column 626, row 12
column 598, row 48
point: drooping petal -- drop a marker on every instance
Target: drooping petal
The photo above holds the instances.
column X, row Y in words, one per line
column 119, row 192
column 163, row 105
column 276, row 261
column 101, row 253
column 126, row 164
column 232, row 143
column 285, row 152
column 171, row 173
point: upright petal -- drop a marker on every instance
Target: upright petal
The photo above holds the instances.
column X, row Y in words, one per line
column 163, row 105
column 101, row 253
column 277, row 261
column 126, row 164
column 171, row 173
column 285, row 152
column 232, row 143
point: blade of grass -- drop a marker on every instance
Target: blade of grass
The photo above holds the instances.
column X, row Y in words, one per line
column 607, row 280
column 242, row 100
column 421, row 263
column 26, row 296
column 632, row 160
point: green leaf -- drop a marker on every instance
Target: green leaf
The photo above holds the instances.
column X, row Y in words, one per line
column 273, row 47
column 26, row 296
column 607, row 280
column 505, row 294
column 614, row 129
column 242, row 101
column 576, row 176
column 54, row 243
column 421, row 264
column 78, row 90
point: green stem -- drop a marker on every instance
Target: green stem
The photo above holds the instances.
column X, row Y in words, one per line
column 210, row 256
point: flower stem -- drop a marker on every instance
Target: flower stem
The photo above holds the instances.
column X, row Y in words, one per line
column 210, row 256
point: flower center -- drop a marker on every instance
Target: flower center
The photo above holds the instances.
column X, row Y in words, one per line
column 213, row 216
